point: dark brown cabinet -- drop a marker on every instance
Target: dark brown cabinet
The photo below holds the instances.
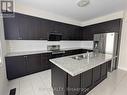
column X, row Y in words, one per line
column 105, row 27
column 77, row 85
column 59, row 82
column 86, row 81
column 29, row 27
column 18, row 66
column 46, row 27
column 96, row 75
column 15, row 66
column 33, row 63
column 104, row 70
column 73, row 85
column 24, row 27
column 11, row 28
column 45, row 63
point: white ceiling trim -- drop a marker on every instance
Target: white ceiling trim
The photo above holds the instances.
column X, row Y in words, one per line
column 51, row 16
column 104, row 18
column 44, row 14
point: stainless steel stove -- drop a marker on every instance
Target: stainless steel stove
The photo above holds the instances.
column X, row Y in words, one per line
column 55, row 49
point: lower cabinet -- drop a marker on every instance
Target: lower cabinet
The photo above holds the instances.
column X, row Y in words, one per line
column 77, row 85
column 96, row 75
column 59, row 81
column 45, row 63
column 104, row 70
column 33, row 63
column 86, row 81
column 18, row 66
column 15, row 66
column 73, row 85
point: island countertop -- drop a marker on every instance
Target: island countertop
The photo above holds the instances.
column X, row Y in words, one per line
column 75, row 67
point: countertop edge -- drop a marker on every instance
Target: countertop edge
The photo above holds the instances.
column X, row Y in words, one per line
column 38, row 52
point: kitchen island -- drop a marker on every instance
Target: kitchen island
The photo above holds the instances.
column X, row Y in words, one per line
column 78, row 74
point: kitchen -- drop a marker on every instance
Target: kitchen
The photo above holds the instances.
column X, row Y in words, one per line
column 44, row 51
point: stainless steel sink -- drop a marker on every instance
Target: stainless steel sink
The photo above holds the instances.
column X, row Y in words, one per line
column 79, row 57
column 84, row 56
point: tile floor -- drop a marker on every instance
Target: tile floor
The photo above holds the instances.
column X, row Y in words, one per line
column 40, row 84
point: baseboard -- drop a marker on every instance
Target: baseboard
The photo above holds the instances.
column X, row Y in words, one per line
column 121, row 68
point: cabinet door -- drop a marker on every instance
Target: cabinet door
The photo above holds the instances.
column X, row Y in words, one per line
column 103, row 70
column 59, row 80
column 45, row 63
column 73, row 85
column 96, row 75
column 69, row 32
column 33, row 63
column 46, row 27
column 86, row 81
column 29, row 27
column 15, row 66
column 11, row 28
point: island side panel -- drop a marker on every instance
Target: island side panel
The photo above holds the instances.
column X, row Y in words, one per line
column 74, row 85
column 59, row 80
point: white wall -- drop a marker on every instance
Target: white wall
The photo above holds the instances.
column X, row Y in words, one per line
column 3, row 80
column 123, row 47
column 31, row 45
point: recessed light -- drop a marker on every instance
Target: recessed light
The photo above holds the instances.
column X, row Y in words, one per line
column 82, row 3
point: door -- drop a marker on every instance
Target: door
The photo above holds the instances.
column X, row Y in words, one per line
column 45, row 63
column 11, row 28
column 15, row 66
column 29, row 27
column 96, row 75
column 46, row 26
column 103, row 70
column 33, row 63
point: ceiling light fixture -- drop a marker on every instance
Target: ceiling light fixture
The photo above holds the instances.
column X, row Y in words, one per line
column 82, row 3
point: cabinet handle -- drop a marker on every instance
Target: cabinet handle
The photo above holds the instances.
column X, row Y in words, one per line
column 20, row 38
column 25, row 56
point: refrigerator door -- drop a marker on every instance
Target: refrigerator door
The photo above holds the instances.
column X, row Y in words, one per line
column 111, row 48
column 110, row 43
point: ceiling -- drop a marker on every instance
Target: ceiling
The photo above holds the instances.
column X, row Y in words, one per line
column 68, row 8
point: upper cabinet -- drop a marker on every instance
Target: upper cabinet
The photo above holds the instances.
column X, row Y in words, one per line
column 29, row 27
column 24, row 27
column 105, row 27
column 11, row 28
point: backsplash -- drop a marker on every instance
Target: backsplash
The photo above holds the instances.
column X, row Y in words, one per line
column 31, row 45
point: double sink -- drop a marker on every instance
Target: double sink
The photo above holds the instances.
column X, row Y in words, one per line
column 84, row 56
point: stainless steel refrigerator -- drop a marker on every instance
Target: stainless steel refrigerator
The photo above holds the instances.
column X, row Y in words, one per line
column 107, row 43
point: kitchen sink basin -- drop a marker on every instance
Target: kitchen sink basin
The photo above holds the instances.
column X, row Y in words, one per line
column 84, row 56
column 80, row 57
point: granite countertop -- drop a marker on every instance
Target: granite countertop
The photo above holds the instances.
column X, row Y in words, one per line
column 37, row 52
column 75, row 67
column 26, row 53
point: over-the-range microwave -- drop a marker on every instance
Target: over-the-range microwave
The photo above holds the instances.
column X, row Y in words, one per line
column 55, row 37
